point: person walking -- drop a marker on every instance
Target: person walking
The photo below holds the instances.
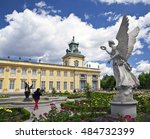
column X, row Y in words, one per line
column 36, row 97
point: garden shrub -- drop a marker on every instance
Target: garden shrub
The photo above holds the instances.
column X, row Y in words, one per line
column 15, row 115
column 4, row 96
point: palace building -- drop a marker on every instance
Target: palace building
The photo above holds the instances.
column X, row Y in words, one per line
column 67, row 77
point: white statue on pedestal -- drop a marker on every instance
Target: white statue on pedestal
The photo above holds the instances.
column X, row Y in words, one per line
column 125, row 80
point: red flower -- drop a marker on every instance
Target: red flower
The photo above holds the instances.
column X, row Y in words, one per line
column 45, row 114
column 53, row 106
column 128, row 118
column 64, row 108
column 40, row 116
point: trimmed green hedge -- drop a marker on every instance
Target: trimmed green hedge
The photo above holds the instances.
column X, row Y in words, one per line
column 17, row 115
column 4, row 96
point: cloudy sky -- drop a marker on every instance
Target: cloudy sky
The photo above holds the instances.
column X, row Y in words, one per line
column 43, row 29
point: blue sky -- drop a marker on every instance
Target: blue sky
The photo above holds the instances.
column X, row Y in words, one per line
column 42, row 29
column 79, row 7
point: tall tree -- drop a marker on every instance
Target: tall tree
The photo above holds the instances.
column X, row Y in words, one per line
column 108, row 82
column 144, row 79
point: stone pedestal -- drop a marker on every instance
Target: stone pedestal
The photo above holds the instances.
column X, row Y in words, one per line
column 124, row 108
column 27, row 99
column 123, row 102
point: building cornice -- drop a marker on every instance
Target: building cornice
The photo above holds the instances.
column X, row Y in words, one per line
column 16, row 63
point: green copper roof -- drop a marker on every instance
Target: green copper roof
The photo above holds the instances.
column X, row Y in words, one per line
column 73, row 49
column 73, row 54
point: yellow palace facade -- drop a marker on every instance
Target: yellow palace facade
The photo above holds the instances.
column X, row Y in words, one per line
column 67, row 77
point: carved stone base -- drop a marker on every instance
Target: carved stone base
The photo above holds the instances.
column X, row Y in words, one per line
column 27, row 99
column 123, row 98
column 124, row 108
column 123, row 94
column 123, row 102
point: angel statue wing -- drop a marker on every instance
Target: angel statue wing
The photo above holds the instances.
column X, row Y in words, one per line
column 132, row 40
column 126, row 41
column 122, row 37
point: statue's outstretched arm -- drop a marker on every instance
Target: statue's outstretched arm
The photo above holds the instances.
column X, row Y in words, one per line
column 116, row 54
column 113, row 56
column 108, row 52
column 104, row 48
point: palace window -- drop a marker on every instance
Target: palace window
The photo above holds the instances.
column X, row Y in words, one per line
column 34, row 84
column 94, row 85
column 83, row 76
column 71, row 74
column 23, row 84
column 71, row 86
column 65, row 73
column 24, row 71
column 65, row 85
column 43, row 85
column 13, row 70
column 1, row 84
column 12, row 84
column 94, row 77
column 50, row 85
column 58, row 85
column 58, row 73
column 34, row 72
column 43, row 72
column 82, row 84
column 51, row 73
column 1, row 70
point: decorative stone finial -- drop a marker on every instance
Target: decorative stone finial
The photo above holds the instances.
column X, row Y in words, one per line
column 73, row 39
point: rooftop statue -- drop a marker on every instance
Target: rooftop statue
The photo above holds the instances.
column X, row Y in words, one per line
column 125, row 80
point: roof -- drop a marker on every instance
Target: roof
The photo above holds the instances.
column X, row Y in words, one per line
column 73, row 54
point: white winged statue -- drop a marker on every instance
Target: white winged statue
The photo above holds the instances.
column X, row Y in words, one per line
column 125, row 80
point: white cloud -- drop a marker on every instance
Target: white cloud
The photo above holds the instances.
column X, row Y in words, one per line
column 137, row 52
column 44, row 9
column 122, row 1
column 40, row 4
column 54, row 10
column 108, row 13
column 25, row 6
column 30, row 34
column 103, row 68
column 114, row 17
column 111, row 16
column 47, row 37
column 86, row 16
column 142, row 66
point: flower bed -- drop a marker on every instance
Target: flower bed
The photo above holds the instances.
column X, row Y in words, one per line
column 97, row 108
column 143, row 103
column 98, row 102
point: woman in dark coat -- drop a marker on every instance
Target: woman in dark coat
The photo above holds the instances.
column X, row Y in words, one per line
column 36, row 97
